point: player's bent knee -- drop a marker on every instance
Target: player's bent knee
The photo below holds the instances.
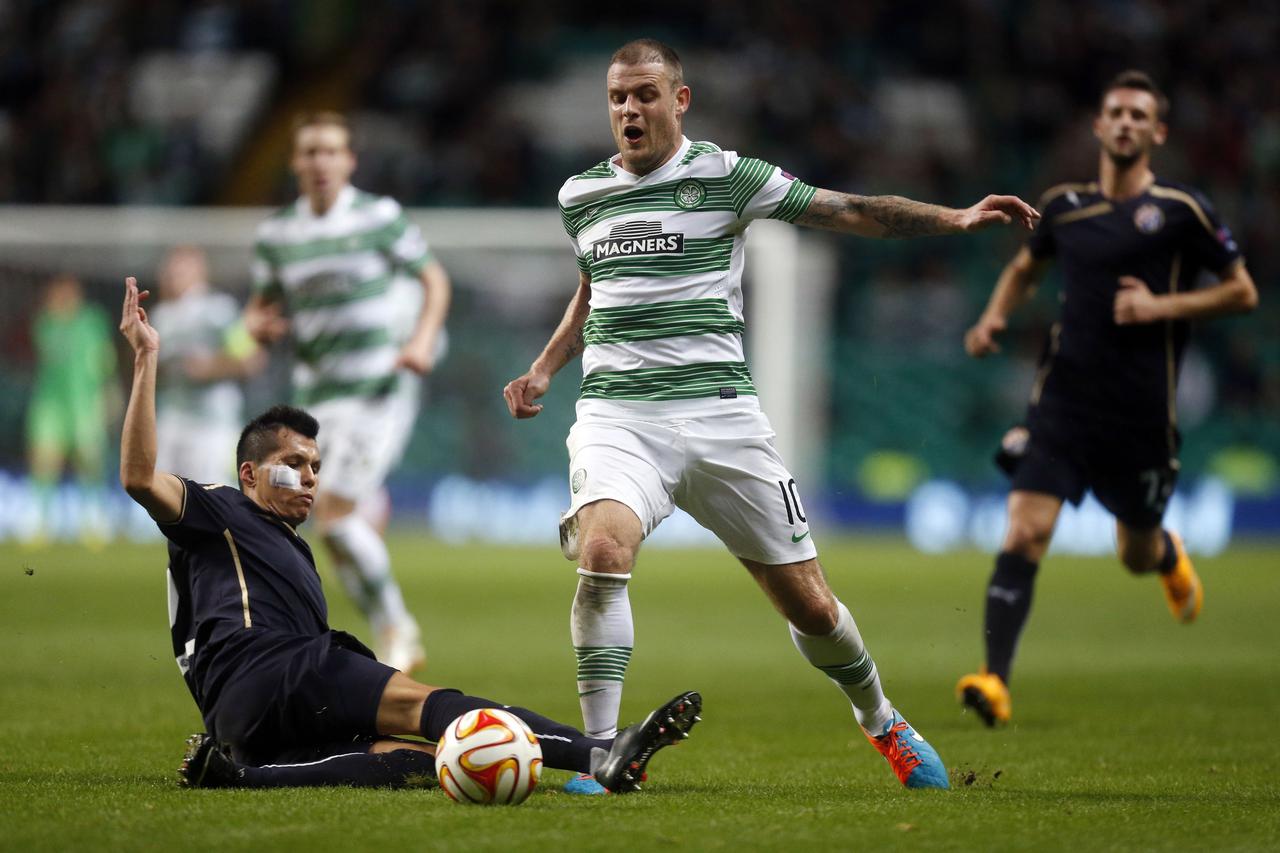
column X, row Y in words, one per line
column 601, row 552
column 1027, row 539
column 816, row 618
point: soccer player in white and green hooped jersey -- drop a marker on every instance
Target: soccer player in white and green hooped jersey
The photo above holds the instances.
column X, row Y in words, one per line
column 327, row 272
column 668, row 415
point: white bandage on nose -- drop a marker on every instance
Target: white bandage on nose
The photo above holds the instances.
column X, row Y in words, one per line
column 284, row 477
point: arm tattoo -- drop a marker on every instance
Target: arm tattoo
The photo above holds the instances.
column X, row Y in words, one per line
column 574, row 346
column 900, row 217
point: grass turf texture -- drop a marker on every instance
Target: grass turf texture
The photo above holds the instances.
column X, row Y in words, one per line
column 1131, row 732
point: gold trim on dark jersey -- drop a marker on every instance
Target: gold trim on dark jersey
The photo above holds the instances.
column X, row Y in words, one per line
column 1089, row 212
column 1188, row 200
column 1042, row 374
column 244, row 588
column 1062, row 189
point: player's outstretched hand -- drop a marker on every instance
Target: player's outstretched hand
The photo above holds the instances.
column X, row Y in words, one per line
column 980, row 340
column 521, row 393
column 1135, row 303
column 134, row 325
column 998, row 210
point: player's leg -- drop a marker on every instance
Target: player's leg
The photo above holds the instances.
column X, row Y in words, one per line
column 384, row 763
column 1137, row 496
column 621, row 474
column 47, row 441
column 358, row 445
column 824, row 631
column 1032, row 517
column 601, row 625
column 89, row 463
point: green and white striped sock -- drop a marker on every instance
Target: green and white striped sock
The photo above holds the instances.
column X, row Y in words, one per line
column 844, row 659
column 603, row 635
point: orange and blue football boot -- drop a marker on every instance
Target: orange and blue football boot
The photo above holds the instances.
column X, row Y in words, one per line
column 1182, row 589
column 914, row 761
column 986, row 693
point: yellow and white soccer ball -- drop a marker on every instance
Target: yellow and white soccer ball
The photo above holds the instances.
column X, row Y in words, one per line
column 488, row 756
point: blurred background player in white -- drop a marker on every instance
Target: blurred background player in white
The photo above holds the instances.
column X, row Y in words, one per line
column 325, row 275
column 198, row 396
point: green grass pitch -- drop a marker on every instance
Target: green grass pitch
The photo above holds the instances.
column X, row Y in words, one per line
column 1131, row 732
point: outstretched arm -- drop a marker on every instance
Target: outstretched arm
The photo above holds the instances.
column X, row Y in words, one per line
column 565, row 345
column 1235, row 293
column 1017, row 282
column 159, row 493
column 889, row 216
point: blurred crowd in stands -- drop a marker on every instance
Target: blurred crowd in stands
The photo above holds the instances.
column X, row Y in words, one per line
column 495, row 103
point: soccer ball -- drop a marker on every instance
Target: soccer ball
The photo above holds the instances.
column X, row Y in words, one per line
column 488, row 756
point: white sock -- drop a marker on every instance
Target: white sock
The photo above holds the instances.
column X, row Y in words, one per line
column 364, row 566
column 845, row 660
column 603, row 635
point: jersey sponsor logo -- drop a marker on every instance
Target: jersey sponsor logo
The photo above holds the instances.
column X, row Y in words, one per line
column 637, row 238
column 579, row 477
column 690, row 194
column 1148, row 218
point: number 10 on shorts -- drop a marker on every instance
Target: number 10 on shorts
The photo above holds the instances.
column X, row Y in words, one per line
column 791, row 501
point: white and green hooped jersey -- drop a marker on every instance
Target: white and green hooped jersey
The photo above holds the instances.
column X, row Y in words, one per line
column 334, row 274
column 665, row 254
column 201, row 324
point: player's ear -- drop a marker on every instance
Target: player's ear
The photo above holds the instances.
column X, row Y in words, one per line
column 1161, row 134
column 683, row 98
column 248, row 475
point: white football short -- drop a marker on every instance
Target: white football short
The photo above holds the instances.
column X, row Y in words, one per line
column 190, row 446
column 361, row 440
column 719, row 466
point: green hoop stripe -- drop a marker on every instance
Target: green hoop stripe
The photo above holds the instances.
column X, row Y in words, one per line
column 677, row 382
column 851, row 673
column 332, row 389
column 280, row 254
column 311, row 351
column 682, row 318
column 370, row 289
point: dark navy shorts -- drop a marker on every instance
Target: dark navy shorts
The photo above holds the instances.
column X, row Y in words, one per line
column 298, row 698
column 1132, row 472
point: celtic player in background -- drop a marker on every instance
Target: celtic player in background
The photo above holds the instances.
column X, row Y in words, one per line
column 198, row 396
column 1103, row 414
column 325, row 274
column 668, row 414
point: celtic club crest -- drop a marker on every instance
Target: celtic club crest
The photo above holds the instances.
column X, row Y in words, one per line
column 690, row 194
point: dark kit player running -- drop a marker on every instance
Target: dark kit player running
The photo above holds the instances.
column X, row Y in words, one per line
column 1102, row 411
column 292, row 701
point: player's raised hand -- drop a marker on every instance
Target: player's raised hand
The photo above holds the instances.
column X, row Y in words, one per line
column 998, row 210
column 521, row 393
column 1135, row 303
column 134, row 325
column 980, row 340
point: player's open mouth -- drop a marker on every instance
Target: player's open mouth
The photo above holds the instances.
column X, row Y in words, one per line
column 632, row 133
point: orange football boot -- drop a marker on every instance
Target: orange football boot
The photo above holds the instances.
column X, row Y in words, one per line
column 1182, row 589
column 987, row 695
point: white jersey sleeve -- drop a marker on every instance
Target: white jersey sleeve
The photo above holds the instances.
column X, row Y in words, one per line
column 408, row 247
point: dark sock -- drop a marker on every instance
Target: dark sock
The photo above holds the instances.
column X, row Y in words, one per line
column 395, row 769
column 1170, row 558
column 1008, row 603
column 563, row 747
